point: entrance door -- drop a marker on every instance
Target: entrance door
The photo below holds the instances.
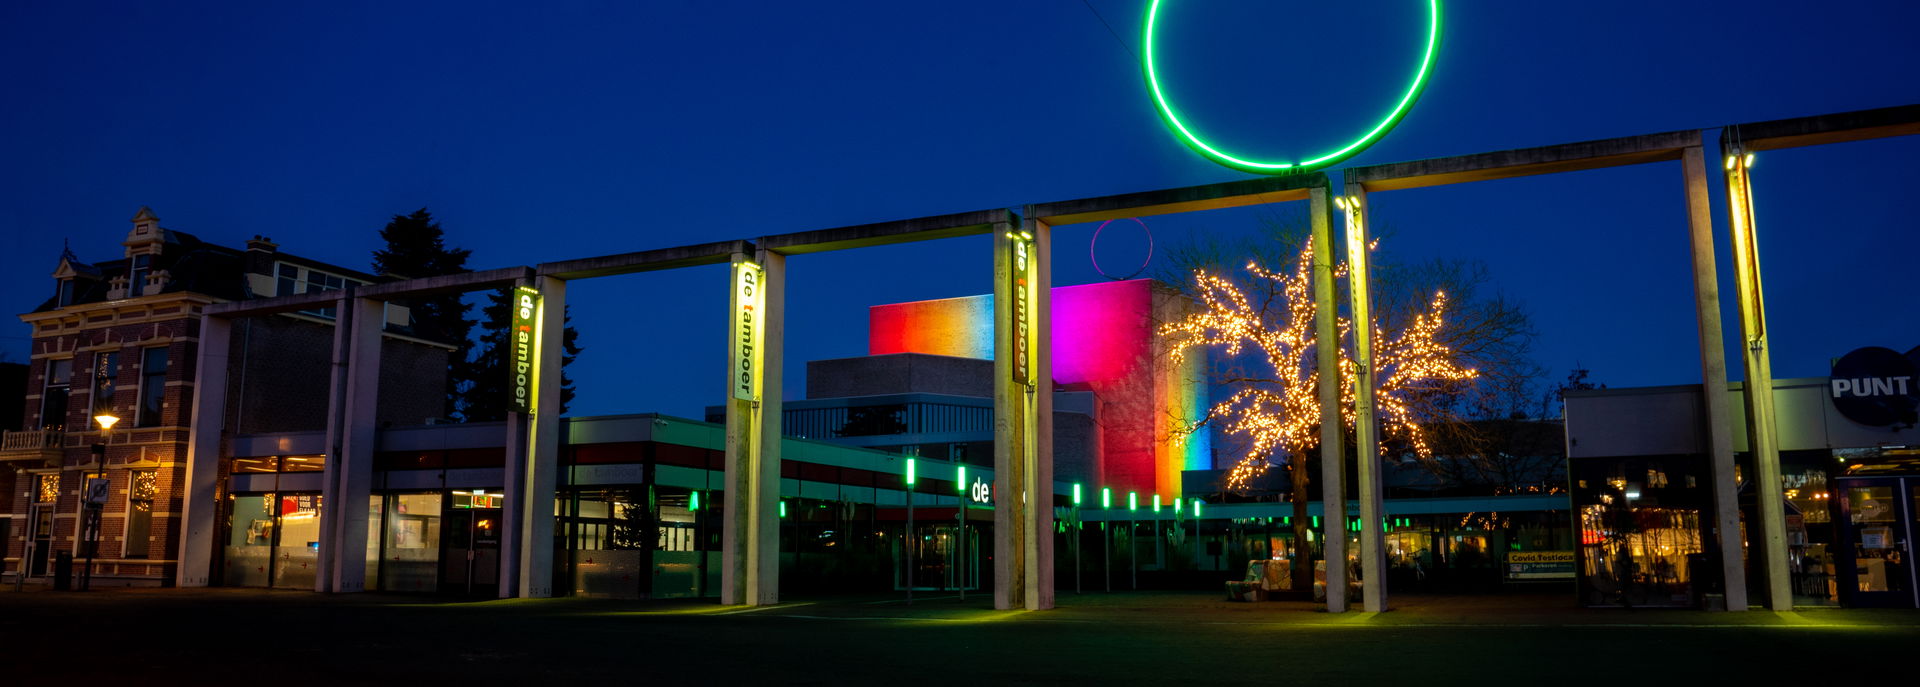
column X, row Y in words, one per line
column 1880, row 523
column 40, row 519
column 470, row 559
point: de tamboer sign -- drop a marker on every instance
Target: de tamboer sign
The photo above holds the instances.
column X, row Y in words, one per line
column 748, row 302
column 522, row 349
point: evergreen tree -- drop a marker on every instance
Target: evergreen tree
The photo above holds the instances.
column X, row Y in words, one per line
column 416, row 247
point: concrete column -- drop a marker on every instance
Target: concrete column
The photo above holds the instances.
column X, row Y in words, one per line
column 518, row 446
column 343, row 554
column 750, row 532
column 763, row 587
column 1713, row 378
column 1373, row 561
column 543, row 457
column 1039, row 496
column 1762, row 442
column 1333, row 477
column 1023, row 420
column 200, row 505
column 336, row 435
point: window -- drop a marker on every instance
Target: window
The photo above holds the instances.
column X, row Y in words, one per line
column 46, row 488
column 289, row 279
column 106, row 368
column 153, row 386
column 142, row 487
column 137, row 277
column 292, row 279
column 53, row 399
column 66, row 293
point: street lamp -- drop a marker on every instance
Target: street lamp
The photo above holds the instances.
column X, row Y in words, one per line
column 94, row 498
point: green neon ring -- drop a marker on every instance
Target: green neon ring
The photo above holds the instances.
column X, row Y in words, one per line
column 1257, row 167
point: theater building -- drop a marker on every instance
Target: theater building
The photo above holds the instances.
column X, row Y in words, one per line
column 118, row 338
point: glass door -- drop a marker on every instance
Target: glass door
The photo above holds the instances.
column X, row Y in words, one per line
column 42, row 539
column 1880, row 523
column 470, row 560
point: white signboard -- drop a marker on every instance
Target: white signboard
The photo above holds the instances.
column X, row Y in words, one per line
column 749, row 301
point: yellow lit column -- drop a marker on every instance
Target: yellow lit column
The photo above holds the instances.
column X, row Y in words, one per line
column 1373, row 563
column 1713, row 375
column 1022, row 394
column 543, row 454
column 750, row 531
column 1762, row 442
column 1333, row 473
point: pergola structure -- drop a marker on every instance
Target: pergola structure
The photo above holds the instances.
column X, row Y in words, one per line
column 1023, row 444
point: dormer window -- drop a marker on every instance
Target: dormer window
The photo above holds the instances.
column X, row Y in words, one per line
column 137, row 279
column 65, row 290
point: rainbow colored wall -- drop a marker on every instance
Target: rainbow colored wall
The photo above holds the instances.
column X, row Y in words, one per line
column 1103, row 342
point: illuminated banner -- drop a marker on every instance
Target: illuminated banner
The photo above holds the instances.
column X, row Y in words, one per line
column 748, row 302
column 1540, row 565
column 522, row 345
column 1022, row 311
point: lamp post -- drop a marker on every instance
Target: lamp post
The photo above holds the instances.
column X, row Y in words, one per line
column 1133, row 548
column 1106, row 537
column 907, row 542
column 960, row 535
column 94, row 499
column 1076, row 537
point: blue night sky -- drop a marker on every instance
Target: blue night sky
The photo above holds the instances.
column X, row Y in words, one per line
column 581, row 129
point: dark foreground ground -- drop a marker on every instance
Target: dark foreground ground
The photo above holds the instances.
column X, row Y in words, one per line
column 223, row 636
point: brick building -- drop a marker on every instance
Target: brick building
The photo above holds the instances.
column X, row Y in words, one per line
column 119, row 338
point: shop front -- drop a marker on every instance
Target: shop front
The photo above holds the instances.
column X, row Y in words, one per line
column 1850, row 477
column 1879, row 509
column 273, row 511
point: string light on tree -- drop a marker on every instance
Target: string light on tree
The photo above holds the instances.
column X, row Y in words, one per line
column 1278, row 414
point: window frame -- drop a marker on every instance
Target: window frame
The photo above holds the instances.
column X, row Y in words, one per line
column 66, row 393
column 111, row 378
column 141, row 416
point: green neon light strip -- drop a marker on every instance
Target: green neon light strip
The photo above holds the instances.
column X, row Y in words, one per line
column 912, row 474
column 1259, row 167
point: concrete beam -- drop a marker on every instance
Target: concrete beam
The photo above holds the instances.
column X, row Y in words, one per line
column 886, row 233
column 1839, row 127
column 646, row 261
column 406, row 288
column 1506, row 164
column 1231, row 194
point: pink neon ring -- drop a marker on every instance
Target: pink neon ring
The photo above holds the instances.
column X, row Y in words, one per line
column 1096, row 242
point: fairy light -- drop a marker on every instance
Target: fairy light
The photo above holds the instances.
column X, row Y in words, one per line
column 1280, row 415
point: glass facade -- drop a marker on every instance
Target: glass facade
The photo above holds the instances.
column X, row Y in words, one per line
column 410, row 556
column 273, row 540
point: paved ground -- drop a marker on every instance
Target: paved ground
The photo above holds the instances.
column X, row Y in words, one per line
column 211, row 636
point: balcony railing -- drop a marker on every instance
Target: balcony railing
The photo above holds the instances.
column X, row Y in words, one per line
column 32, row 441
